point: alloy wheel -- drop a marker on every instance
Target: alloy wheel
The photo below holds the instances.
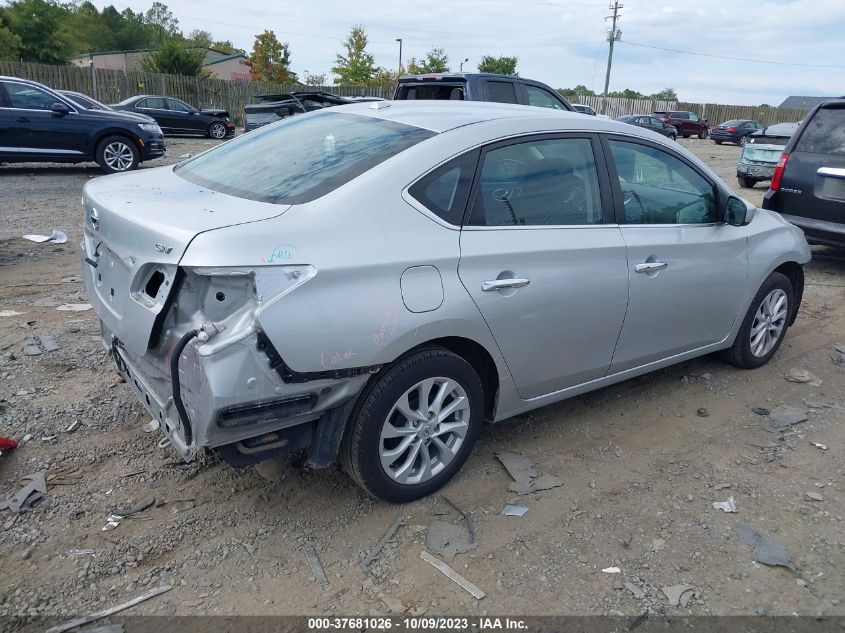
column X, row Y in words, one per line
column 424, row 430
column 118, row 156
column 218, row 131
column 769, row 322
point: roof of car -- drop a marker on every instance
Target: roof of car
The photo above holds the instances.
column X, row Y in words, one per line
column 440, row 116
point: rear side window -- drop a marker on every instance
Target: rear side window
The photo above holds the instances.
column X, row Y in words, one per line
column 156, row 103
column 825, row 133
column 679, row 115
column 501, row 91
column 323, row 151
column 444, row 191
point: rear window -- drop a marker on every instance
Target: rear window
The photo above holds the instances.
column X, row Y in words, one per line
column 825, row 133
column 438, row 91
column 301, row 158
column 732, row 123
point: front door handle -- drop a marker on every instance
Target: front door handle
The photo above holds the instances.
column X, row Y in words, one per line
column 500, row 284
column 650, row 267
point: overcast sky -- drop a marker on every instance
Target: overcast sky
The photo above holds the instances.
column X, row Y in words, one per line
column 563, row 43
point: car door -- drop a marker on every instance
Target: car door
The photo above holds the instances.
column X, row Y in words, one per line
column 156, row 108
column 687, row 270
column 185, row 117
column 542, row 258
column 35, row 128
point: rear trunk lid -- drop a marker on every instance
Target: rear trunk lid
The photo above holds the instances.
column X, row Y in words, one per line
column 136, row 230
column 764, row 150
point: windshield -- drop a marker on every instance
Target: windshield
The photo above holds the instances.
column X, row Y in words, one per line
column 301, row 158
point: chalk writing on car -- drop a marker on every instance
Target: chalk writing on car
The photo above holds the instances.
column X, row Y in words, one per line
column 336, row 359
column 282, row 253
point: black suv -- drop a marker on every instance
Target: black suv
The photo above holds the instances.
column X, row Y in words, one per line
column 480, row 87
column 39, row 124
column 808, row 186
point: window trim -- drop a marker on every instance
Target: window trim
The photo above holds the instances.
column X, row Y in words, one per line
column 720, row 196
column 606, row 196
column 59, row 99
column 422, row 208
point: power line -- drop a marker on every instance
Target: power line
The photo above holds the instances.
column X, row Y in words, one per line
column 726, row 57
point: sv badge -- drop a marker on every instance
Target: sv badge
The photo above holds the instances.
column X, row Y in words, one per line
column 161, row 248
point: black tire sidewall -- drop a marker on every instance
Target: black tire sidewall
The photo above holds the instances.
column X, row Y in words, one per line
column 742, row 345
column 101, row 146
column 363, row 439
column 212, row 126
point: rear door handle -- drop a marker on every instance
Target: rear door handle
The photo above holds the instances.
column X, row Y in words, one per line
column 500, row 284
column 650, row 267
column 831, row 172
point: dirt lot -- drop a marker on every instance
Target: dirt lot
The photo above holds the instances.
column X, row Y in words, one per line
column 640, row 468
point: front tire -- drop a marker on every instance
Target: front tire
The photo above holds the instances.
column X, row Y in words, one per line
column 415, row 427
column 217, row 131
column 703, row 133
column 764, row 325
column 673, row 137
column 117, row 154
column 745, row 182
column 718, row 142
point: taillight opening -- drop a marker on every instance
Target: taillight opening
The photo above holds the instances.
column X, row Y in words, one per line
column 781, row 166
column 731, row 130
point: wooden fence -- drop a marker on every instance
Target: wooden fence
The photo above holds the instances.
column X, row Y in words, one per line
column 111, row 86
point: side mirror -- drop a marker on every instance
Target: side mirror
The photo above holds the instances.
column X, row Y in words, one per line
column 59, row 109
column 738, row 212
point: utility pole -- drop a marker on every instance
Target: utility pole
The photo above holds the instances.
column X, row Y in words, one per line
column 399, row 70
column 614, row 35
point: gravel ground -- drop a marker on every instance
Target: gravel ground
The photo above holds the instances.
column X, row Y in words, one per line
column 641, row 463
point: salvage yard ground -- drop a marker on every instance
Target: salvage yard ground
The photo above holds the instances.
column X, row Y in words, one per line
column 641, row 464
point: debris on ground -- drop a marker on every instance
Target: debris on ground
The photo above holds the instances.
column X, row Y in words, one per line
column 819, row 404
column 99, row 615
column 27, row 496
column 394, row 605
column 64, row 476
column 135, row 509
column 152, row 425
column 112, row 521
column 679, row 595
column 702, row 412
column 467, row 518
column 7, row 444
column 10, row 313
column 452, row 575
column 55, row 237
column 639, row 594
column 73, row 426
column 838, row 357
column 813, row 496
column 384, row 540
column 726, row 506
column 819, row 446
column 79, row 552
column 73, row 307
column 802, row 376
column 525, row 477
column 785, row 416
column 760, row 410
column 766, row 550
column 514, row 511
column 37, row 345
column 658, row 544
column 448, row 539
column 612, row 570
column 316, row 566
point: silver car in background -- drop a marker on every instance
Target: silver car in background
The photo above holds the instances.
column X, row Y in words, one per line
column 372, row 282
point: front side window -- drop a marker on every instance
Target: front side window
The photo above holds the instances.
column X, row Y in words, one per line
column 29, row 97
column 501, row 91
column 658, row 188
column 178, row 106
column 693, row 117
column 324, row 151
column 825, row 133
column 541, row 98
column 444, row 191
column 544, row 182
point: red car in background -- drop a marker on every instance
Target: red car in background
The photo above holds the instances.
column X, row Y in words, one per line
column 688, row 123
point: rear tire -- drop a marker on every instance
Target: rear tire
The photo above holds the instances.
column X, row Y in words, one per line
column 116, row 154
column 745, row 182
column 398, row 444
column 717, row 142
column 217, row 131
column 764, row 325
column 686, row 135
column 703, row 133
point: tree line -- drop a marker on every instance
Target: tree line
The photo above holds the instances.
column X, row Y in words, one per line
column 667, row 94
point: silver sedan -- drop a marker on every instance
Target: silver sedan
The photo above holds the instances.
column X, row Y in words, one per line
column 372, row 282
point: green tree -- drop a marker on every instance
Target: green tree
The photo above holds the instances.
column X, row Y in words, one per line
column 10, row 44
column 225, row 46
column 42, row 27
column 200, row 38
column 161, row 22
column 436, row 61
column 383, row 77
column 175, row 57
column 578, row 91
column 667, row 94
column 500, row 65
column 626, row 94
column 357, row 67
column 270, row 59
column 315, row 79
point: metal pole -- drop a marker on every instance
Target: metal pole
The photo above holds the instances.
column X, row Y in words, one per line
column 94, row 80
column 612, row 38
column 399, row 70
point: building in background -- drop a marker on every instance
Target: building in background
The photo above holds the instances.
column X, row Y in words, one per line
column 219, row 64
